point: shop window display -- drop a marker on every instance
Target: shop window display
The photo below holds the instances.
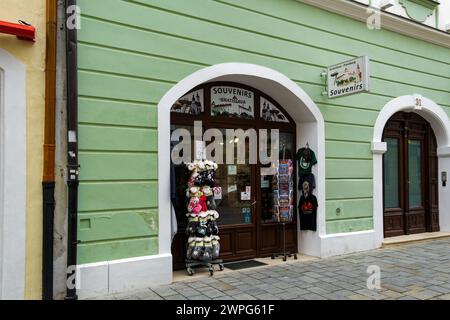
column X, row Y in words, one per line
column 235, row 181
column 277, row 189
column 252, row 202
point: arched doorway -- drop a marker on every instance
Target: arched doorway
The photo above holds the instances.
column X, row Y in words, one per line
column 410, row 176
column 439, row 121
column 310, row 129
column 251, row 201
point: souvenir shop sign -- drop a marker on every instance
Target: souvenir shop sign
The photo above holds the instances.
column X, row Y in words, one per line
column 348, row 77
column 232, row 102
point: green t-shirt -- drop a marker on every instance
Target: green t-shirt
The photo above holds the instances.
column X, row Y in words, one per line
column 305, row 164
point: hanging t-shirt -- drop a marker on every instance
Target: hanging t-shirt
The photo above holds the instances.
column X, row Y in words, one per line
column 310, row 179
column 306, row 158
column 308, row 212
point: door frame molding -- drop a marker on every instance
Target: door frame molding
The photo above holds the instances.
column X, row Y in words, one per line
column 296, row 102
column 12, row 177
column 440, row 123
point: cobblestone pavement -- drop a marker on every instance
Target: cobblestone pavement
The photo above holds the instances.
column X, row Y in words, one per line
column 408, row 272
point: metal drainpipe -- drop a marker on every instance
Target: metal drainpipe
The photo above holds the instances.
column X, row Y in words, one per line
column 72, row 149
column 48, row 177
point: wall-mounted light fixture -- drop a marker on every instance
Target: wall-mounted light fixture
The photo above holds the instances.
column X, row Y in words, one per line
column 386, row 4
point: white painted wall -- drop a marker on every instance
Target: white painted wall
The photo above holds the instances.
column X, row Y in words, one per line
column 444, row 14
column 12, row 177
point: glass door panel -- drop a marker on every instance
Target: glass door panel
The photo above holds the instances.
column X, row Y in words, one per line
column 391, row 174
column 234, row 203
column 415, row 173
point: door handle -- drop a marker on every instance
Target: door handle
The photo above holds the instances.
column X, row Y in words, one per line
column 254, row 203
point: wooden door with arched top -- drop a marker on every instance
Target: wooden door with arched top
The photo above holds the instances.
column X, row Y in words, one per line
column 410, row 176
column 252, row 199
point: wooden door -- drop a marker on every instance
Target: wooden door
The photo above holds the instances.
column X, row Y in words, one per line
column 238, row 216
column 409, row 176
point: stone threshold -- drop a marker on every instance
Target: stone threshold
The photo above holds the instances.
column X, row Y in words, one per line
column 393, row 241
column 181, row 275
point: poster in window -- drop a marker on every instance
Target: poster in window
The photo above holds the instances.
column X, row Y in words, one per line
column 217, row 193
column 232, row 102
column 271, row 113
column 191, row 103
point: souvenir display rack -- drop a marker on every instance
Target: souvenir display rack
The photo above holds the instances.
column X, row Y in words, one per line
column 284, row 199
column 285, row 254
column 203, row 247
column 278, row 194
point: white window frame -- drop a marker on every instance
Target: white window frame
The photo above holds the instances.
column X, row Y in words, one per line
column 12, row 177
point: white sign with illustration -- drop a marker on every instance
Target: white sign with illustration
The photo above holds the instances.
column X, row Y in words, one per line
column 271, row 113
column 232, row 102
column 217, row 193
column 349, row 77
column 232, row 188
column 191, row 103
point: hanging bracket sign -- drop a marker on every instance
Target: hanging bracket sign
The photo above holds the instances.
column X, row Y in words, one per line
column 348, row 77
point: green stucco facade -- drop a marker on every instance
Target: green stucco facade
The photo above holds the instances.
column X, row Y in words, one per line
column 132, row 52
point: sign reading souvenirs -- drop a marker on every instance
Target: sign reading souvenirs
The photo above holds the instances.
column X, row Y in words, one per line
column 348, row 77
column 232, row 102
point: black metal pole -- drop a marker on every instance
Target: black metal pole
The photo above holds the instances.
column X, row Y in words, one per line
column 72, row 149
column 48, row 189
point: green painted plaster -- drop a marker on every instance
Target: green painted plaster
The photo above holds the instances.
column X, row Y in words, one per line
column 350, row 225
column 133, row 52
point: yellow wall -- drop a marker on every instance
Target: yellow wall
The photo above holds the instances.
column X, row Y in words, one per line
column 33, row 56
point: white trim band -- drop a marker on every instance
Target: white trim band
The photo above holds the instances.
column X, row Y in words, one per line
column 110, row 277
column 358, row 11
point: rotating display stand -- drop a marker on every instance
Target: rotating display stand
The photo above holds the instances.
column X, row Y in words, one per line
column 284, row 198
column 285, row 254
column 203, row 247
column 192, row 264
